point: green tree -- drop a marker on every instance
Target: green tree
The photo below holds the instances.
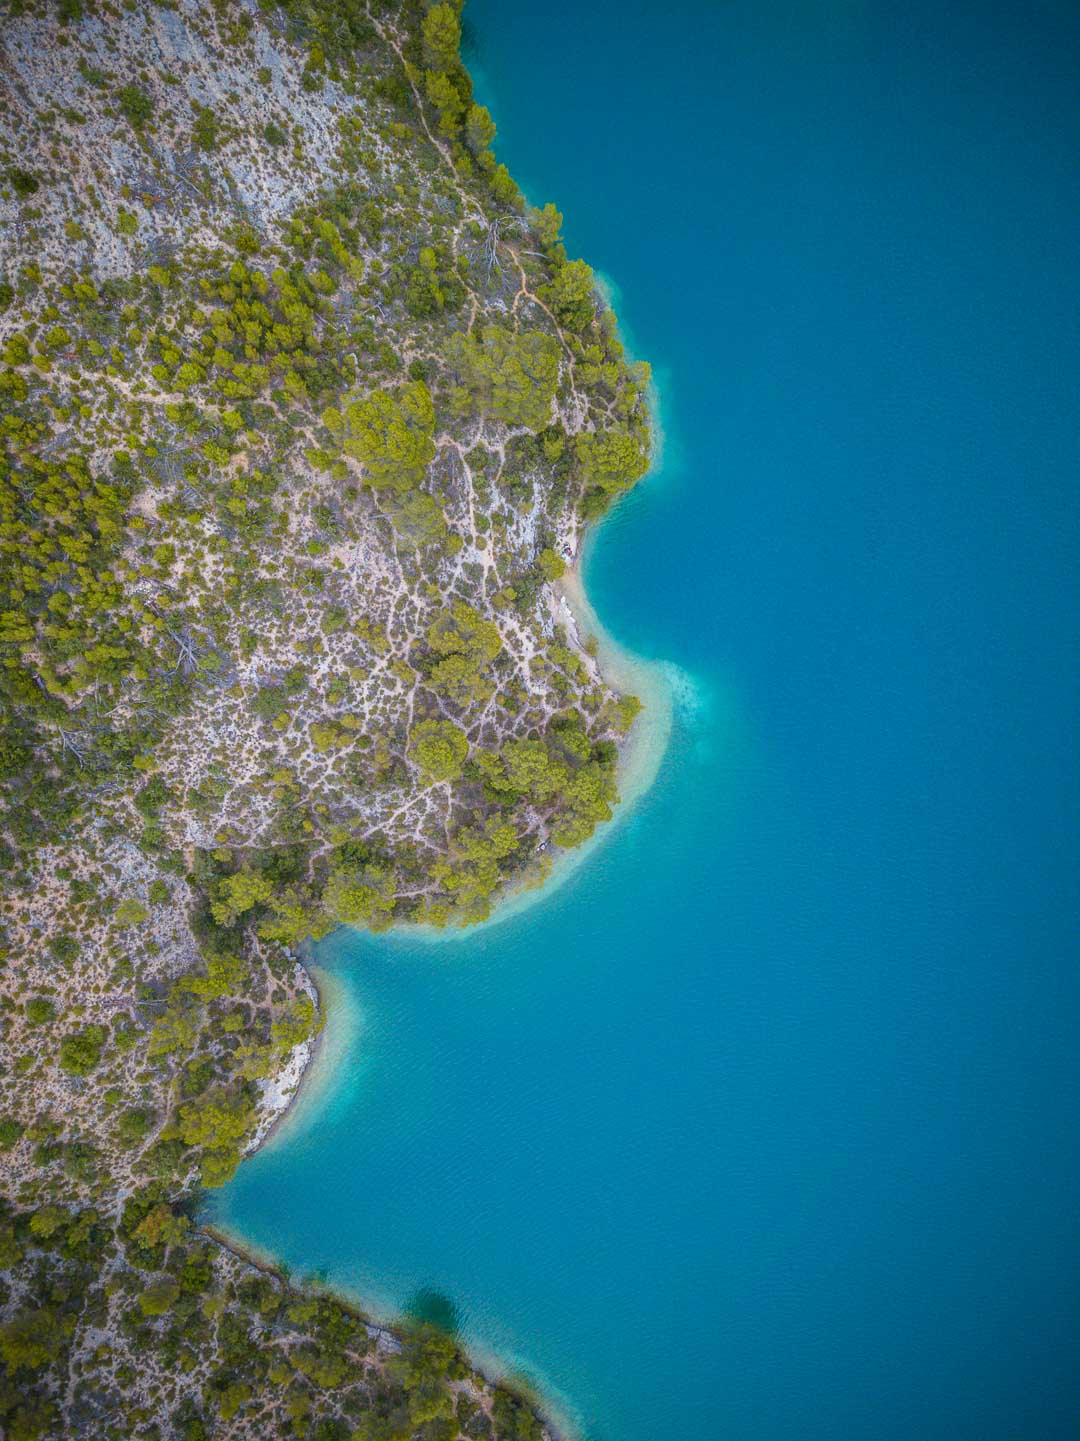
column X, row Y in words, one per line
column 551, row 564
column 239, row 893
column 438, row 748
column 441, row 35
column 160, row 1227
column 295, row 916
column 570, row 295
column 504, row 188
column 133, row 1125
column 47, row 1220
column 447, row 99
column 473, row 870
column 466, row 644
column 40, row 1010
column 424, row 295
column 548, row 225
column 219, row 1118
column 175, row 1031
column 479, row 128
column 159, row 1296
column 218, row 1122
column 390, row 433
column 11, row 1253
column 131, row 912
column 418, row 517
column 360, row 895
column 80, row 1051
column 613, row 459
column 463, row 630
column 513, row 375
column 31, row 1339
column 323, row 1367
column 24, row 182
column 10, row 1131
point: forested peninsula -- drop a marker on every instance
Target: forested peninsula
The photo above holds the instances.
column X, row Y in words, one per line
column 303, row 414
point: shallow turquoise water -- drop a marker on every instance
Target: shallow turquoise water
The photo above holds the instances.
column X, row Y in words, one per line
column 767, row 1124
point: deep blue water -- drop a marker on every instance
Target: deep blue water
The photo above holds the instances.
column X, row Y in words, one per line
column 767, row 1124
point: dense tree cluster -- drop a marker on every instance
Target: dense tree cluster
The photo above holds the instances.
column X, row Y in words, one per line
column 390, row 433
column 510, row 376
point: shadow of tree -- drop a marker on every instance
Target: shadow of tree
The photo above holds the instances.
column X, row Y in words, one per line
column 433, row 1308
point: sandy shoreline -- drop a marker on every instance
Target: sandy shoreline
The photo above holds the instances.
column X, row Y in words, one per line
column 317, row 1063
column 313, row 1065
column 640, row 756
column 387, row 1335
column 325, row 1053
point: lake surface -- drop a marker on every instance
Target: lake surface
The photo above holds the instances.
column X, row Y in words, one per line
column 767, row 1123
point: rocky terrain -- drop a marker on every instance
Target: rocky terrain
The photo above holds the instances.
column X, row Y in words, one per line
column 303, row 414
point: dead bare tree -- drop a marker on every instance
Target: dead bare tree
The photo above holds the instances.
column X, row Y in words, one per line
column 188, row 659
column 491, row 247
column 68, row 743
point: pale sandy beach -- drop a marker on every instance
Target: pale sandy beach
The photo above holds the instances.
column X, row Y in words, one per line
column 342, row 1024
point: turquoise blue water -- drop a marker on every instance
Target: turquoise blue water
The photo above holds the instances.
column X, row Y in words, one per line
column 767, row 1124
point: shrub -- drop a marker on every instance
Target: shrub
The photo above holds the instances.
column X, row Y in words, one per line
column 64, row 948
column 24, row 182
column 40, row 1010
column 80, row 1051
column 131, row 913
column 135, row 105
column 552, row 565
column 10, row 1131
column 133, row 1125
column 159, row 1296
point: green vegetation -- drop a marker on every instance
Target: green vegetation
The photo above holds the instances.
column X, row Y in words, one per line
column 81, row 1051
column 135, row 105
column 613, row 460
column 24, row 182
column 438, row 748
column 441, row 37
column 552, row 565
column 571, row 295
column 462, row 645
column 40, row 1010
column 390, row 433
column 286, row 470
column 512, row 377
